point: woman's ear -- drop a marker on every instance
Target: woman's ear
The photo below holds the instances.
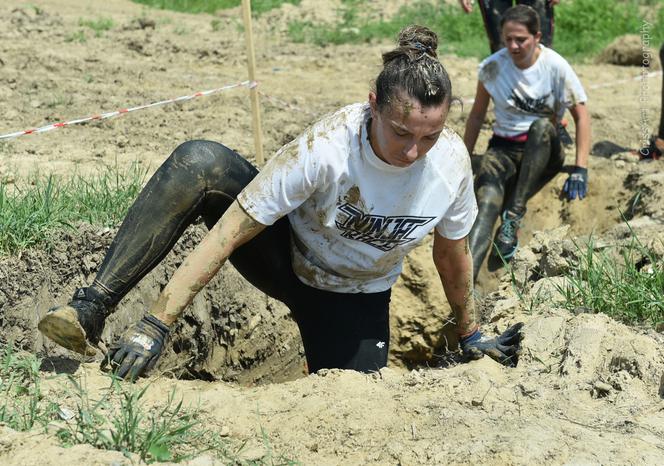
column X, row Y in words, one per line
column 373, row 104
column 538, row 37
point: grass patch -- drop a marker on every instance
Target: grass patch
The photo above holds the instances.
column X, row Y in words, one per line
column 21, row 403
column 624, row 281
column 583, row 27
column 458, row 32
column 78, row 36
column 211, row 6
column 29, row 212
column 98, row 25
column 119, row 419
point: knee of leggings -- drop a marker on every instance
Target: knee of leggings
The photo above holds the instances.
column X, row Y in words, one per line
column 211, row 162
column 540, row 129
column 661, row 55
column 201, row 153
column 489, row 195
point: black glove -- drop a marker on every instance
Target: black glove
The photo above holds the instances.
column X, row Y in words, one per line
column 576, row 184
column 504, row 348
column 137, row 351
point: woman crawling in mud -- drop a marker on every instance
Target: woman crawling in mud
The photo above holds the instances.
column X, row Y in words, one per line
column 531, row 86
column 323, row 228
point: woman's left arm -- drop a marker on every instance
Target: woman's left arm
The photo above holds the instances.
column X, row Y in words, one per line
column 455, row 267
column 576, row 185
column 582, row 122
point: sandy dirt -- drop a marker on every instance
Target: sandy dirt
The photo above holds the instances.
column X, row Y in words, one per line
column 587, row 390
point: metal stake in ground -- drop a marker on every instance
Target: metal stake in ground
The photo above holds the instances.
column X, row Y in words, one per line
column 253, row 92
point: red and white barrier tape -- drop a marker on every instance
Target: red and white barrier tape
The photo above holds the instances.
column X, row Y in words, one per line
column 283, row 103
column 104, row 116
column 248, row 84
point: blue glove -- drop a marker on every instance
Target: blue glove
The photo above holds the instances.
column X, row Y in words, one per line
column 504, row 348
column 576, row 184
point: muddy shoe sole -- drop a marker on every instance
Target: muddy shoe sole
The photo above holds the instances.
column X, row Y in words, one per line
column 61, row 325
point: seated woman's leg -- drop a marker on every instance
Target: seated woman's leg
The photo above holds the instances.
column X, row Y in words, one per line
column 542, row 159
column 200, row 178
column 493, row 176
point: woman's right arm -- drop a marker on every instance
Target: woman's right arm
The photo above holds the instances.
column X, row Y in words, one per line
column 476, row 117
column 233, row 229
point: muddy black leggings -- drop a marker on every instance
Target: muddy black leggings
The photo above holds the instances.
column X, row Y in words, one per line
column 492, row 10
column 517, row 168
column 202, row 179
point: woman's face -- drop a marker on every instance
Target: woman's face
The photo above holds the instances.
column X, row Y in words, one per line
column 522, row 46
column 404, row 131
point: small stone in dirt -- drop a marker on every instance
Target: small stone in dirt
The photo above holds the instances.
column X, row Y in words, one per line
column 602, row 389
column 253, row 453
column 65, row 413
column 145, row 23
column 582, row 310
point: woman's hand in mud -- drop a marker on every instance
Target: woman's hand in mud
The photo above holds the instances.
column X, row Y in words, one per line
column 137, row 350
column 577, row 184
column 504, row 348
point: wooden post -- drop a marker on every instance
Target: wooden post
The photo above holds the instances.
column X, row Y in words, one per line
column 253, row 92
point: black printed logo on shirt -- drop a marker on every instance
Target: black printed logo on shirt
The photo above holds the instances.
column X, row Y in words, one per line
column 529, row 104
column 384, row 233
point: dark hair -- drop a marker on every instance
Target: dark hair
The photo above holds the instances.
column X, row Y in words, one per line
column 413, row 68
column 522, row 14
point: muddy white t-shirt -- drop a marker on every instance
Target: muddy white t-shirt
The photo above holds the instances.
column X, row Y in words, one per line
column 354, row 217
column 544, row 90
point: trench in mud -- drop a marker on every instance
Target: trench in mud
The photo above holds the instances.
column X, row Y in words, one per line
column 233, row 332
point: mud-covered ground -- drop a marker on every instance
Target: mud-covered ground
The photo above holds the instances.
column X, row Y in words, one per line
column 586, row 390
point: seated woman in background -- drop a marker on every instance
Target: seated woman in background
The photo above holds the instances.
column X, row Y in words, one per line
column 531, row 86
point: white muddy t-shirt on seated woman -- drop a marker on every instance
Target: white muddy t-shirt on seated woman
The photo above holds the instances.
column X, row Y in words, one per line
column 545, row 89
column 353, row 216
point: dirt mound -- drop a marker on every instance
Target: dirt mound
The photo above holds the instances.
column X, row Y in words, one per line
column 585, row 391
column 627, row 50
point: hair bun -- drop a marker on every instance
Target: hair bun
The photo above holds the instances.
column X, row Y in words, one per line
column 419, row 38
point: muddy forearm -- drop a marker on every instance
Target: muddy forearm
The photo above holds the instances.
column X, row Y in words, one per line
column 233, row 229
column 471, row 133
column 455, row 267
column 476, row 117
column 583, row 131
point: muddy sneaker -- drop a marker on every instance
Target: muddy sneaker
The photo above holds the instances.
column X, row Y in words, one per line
column 77, row 326
column 507, row 239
